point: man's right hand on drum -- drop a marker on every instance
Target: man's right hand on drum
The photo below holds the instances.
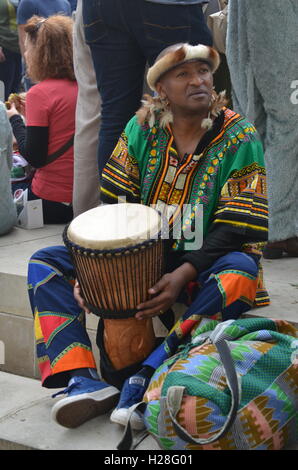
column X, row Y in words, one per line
column 166, row 291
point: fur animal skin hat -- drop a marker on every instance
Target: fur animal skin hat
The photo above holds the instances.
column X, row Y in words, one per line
column 178, row 55
column 154, row 108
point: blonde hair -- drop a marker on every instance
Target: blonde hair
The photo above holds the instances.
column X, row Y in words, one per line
column 51, row 54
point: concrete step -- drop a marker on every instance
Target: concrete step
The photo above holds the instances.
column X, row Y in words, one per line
column 16, row 322
column 25, row 422
column 16, row 248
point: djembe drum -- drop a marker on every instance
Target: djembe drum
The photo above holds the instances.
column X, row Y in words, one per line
column 117, row 252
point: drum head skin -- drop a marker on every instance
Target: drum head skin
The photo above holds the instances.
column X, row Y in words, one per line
column 114, row 226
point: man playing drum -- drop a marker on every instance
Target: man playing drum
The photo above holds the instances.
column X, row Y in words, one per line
column 184, row 149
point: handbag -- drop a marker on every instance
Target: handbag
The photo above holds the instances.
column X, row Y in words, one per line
column 234, row 386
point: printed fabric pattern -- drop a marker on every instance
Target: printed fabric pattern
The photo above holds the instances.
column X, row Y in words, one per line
column 231, row 161
column 61, row 337
column 225, row 176
column 265, row 357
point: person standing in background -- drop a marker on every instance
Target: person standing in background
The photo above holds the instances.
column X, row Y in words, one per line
column 262, row 45
column 28, row 8
column 124, row 35
column 10, row 57
column 86, row 186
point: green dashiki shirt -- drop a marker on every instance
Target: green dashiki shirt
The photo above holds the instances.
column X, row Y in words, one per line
column 225, row 176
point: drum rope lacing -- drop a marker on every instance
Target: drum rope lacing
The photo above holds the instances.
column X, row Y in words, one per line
column 114, row 251
column 75, row 249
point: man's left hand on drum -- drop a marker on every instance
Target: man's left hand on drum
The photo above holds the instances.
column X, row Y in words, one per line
column 166, row 291
column 79, row 298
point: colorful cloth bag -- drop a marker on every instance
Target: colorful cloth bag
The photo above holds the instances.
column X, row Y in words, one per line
column 233, row 386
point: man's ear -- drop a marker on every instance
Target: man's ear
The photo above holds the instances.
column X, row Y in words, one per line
column 160, row 90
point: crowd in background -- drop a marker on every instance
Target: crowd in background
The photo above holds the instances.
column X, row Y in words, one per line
column 110, row 55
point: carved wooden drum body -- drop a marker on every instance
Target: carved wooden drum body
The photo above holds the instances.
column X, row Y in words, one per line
column 117, row 252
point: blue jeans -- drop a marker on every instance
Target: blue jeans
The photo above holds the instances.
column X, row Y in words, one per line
column 125, row 35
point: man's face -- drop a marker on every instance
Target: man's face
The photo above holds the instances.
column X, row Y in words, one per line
column 187, row 87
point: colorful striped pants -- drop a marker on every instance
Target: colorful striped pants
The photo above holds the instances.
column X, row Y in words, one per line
column 227, row 290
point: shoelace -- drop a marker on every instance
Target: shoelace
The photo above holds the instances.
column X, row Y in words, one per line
column 66, row 390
